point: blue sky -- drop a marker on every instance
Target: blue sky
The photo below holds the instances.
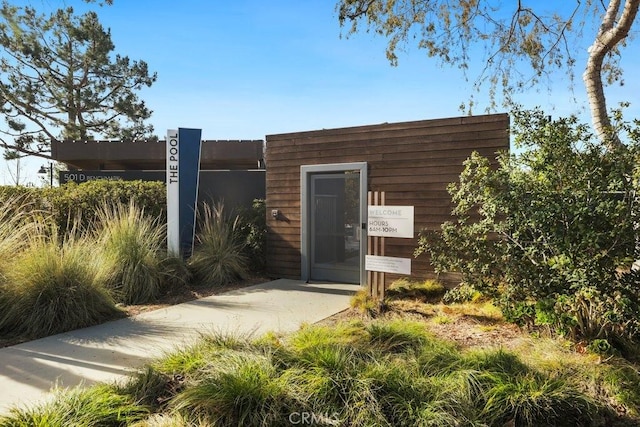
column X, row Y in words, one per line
column 244, row 69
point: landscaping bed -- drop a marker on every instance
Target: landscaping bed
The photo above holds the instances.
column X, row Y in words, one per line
column 416, row 362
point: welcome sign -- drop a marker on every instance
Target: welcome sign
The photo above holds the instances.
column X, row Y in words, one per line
column 390, row 221
column 183, row 170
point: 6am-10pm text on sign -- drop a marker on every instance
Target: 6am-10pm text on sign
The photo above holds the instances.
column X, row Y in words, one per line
column 390, row 221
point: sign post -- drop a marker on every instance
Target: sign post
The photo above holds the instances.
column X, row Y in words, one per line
column 182, row 176
column 386, row 221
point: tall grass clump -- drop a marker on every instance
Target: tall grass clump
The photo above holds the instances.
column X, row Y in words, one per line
column 219, row 257
column 245, row 391
column 15, row 228
column 132, row 252
column 54, row 285
column 96, row 406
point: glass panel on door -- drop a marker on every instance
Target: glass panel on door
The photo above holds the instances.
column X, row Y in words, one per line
column 335, row 231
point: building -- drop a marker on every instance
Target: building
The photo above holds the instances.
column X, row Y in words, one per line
column 319, row 184
column 230, row 171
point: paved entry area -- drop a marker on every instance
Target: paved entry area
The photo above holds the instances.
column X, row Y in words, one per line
column 110, row 351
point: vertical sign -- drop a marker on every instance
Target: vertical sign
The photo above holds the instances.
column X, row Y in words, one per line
column 173, row 192
column 190, row 147
column 183, row 170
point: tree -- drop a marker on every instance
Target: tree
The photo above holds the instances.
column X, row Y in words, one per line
column 59, row 79
column 551, row 232
column 512, row 34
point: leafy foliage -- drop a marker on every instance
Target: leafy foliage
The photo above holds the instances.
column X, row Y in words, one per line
column 253, row 229
column 61, row 80
column 462, row 293
column 552, row 231
column 519, row 44
column 79, row 204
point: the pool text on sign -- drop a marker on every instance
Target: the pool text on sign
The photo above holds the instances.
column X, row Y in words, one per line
column 390, row 221
column 173, row 192
column 182, row 176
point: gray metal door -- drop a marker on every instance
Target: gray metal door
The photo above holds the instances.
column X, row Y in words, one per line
column 335, row 232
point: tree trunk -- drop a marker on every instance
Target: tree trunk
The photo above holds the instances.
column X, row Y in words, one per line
column 610, row 34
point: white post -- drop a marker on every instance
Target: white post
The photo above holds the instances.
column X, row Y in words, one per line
column 173, row 192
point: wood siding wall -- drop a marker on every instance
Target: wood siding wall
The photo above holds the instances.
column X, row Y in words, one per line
column 413, row 162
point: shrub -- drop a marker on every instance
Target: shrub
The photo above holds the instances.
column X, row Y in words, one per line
column 365, row 303
column 54, row 286
column 462, row 293
column 218, row 257
column 536, row 400
column 253, row 230
column 73, row 202
column 555, row 222
column 151, row 387
column 86, row 200
column 132, row 250
column 174, row 274
column 398, row 337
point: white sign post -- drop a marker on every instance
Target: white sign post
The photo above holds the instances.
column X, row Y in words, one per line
column 173, row 192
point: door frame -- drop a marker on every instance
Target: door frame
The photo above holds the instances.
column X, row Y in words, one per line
column 305, row 205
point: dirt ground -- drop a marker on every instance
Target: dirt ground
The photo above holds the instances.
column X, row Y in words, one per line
column 466, row 330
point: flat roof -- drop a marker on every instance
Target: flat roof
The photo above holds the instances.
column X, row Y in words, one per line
column 151, row 155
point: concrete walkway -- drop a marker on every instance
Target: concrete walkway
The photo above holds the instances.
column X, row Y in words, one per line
column 112, row 350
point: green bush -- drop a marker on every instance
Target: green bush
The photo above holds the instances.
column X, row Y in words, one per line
column 253, row 230
column 218, row 257
column 462, row 293
column 556, row 223
column 245, row 391
column 73, row 202
column 86, row 200
column 54, row 286
column 132, row 248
